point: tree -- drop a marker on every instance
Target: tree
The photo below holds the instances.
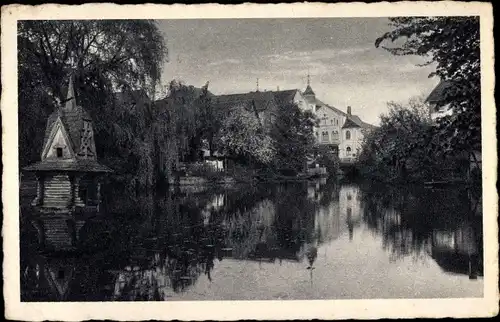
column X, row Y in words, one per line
column 394, row 149
column 453, row 45
column 243, row 136
column 293, row 137
column 104, row 56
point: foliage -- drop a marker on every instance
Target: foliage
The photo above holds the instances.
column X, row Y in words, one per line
column 402, row 147
column 104, row 57
column 325, row 157
column 293, row 137
column 453, row 45
column 242, row 135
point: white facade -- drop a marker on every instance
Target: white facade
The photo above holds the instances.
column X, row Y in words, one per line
column 351, row 143
column 330, row 124
column 347, row 142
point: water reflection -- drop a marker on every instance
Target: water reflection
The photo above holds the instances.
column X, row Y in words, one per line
column 176, row 243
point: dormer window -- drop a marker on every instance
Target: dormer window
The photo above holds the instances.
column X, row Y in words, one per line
column 59, row 152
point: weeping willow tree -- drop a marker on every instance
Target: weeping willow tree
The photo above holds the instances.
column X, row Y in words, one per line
column 105, row 57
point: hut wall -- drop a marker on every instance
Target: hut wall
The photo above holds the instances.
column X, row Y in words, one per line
column 57, row 193
column 88, row 191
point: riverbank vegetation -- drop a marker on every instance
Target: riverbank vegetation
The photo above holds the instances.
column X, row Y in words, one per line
column 142, row 133
column 408, row 144
column 405, row 148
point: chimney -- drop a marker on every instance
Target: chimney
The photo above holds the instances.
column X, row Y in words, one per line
column 349, row 110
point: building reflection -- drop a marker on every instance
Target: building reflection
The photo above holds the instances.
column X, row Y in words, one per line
column 350, row 207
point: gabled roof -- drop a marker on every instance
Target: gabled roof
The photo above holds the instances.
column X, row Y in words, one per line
column 353, row 121
column 439, row 92
column 260, row 100
column 286, row 96
column 320, row 104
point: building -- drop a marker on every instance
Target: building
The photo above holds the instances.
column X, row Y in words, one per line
column 436, row 110
column 330, row 119
column 263, row 104
column 341, row 132
column 352, row 135
column 68, row 173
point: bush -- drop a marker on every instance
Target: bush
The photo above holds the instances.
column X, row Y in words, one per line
column 328, row 159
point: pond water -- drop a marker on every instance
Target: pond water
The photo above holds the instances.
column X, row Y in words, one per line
column 311, row 240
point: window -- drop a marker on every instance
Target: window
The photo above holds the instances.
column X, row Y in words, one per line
column 335, row 135
column 59, row 152
column 348, row 150
column 317, row 135
column 324, row 136
column 348, row 135
column 331, row 121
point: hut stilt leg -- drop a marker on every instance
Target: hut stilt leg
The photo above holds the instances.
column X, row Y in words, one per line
column 76, row 192
column 39, row 191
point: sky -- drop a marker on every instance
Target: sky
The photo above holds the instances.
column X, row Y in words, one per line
column 339, row 54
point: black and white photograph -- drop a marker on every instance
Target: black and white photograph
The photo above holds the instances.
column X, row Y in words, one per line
column 252, row 159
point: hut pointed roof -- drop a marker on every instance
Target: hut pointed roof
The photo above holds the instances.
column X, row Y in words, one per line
column 78, row 130
column 72, row 117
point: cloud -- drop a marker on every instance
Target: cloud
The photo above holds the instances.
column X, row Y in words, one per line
column 228, row 61
column 316, row 55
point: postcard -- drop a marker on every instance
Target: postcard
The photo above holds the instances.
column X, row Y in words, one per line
column 253, row 161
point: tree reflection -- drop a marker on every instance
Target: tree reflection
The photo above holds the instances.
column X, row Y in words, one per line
column 420, row 222
column 164, row 243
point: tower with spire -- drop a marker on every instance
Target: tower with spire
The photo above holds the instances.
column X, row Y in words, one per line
column 309, row 93
column 68, row 173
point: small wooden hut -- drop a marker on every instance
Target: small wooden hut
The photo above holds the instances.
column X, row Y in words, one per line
column 68, row 173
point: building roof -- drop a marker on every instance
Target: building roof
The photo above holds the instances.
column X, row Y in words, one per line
column 260, row 100
column 309, row 90
column 320, row 104
column 82, row 165
column 353, row 121
column 439, row 92
column 286, row 96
